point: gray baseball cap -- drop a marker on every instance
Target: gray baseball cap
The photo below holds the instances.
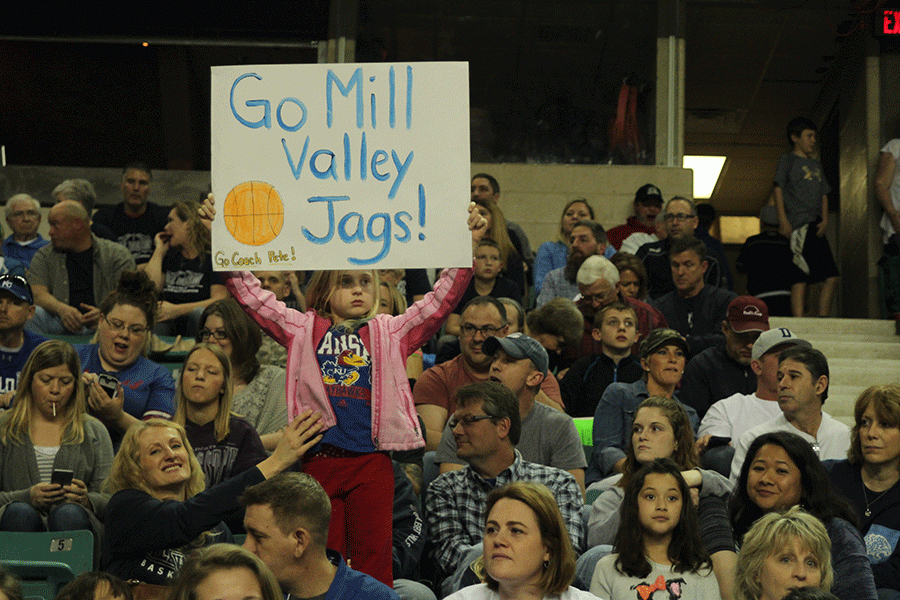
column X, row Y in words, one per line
column 776, row 337
column 519, row 346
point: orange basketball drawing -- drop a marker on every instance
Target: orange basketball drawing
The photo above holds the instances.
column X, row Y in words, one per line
column 254, row 213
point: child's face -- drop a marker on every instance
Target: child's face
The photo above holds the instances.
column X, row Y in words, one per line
column 805, row 142
column 385, row 304
column 353, row 296
column 618, row 330
column 487, row 262
column 659, row 504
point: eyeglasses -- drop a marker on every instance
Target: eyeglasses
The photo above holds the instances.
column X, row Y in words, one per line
column 487, row 331
column 119, row 326
column 678, row 217
column 467, row 420
column 219, row 334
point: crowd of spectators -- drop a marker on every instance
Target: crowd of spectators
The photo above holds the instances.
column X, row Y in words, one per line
column 432, row 466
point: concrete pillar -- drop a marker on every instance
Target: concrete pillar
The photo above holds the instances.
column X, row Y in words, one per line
column 670, row 73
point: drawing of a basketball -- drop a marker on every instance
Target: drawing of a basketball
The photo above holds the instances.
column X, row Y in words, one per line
column 254, row 213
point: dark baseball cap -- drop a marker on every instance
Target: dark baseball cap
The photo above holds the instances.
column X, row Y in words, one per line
column 663, row 337
column 17, row 286
column 746, row 313
column 648, row 194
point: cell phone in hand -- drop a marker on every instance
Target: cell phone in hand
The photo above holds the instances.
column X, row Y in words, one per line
column 109, row 384
column 62, row 477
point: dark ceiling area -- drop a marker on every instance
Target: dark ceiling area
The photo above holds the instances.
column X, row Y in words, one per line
column 83, row 89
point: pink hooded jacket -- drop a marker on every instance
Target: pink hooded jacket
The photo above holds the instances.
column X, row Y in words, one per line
column 389, row 340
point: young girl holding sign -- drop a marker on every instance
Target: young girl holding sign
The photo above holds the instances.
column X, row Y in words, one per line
column 349, row 362
column 667, row 556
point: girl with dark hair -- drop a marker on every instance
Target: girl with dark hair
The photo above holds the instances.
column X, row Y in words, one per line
column 145, row 389
column 662, row 430
column 553, row 255
column 657, row 546
column 782, row 470
column 870, row 479
column 258, row 389
column 181, row 268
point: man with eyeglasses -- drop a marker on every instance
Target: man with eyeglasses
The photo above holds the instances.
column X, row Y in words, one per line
column 16, row 344
column 548, row 436
column 681, row 220
column 487, row 426
column 23, row 215
column 433, row 393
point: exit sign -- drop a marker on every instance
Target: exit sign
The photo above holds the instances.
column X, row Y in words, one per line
column 890, row 22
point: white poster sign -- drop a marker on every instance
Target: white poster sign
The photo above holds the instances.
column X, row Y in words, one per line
column 336, row 166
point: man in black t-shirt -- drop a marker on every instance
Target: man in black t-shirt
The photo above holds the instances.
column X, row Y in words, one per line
column 135, row 222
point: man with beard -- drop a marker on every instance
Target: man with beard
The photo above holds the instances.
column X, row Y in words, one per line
column 588, row 238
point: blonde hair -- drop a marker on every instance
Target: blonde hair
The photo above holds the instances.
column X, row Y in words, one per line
column 47, row 355
column 126, row 472
column 498, row 231
column 203, row 562
column 226, row 394
column 769, row 535
column 189, row 211
column 322, row 286
column 398, row 302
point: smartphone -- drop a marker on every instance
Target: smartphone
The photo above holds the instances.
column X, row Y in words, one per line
column 109, row 383
column 62, row 476
column 717, row 440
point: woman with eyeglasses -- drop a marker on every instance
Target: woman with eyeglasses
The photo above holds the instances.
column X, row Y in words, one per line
column 258, row 389
column 144, row 389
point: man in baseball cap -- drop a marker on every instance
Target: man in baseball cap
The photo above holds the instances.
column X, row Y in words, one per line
column 548, row 436
column 647, row 204
column 724, row 369
column 734, row 415
column 16, row 344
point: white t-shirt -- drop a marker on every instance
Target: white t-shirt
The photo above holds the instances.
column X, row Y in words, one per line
column 661, row 584
column 892, row 148
column 736, row 414
column 833, row 439
column 481, row 592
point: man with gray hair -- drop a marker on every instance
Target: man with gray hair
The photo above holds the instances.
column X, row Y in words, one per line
column 71, row 276
column 82, row 191
column 681, row 221
column 23, row 215
column 588, row 238
column 598, row 282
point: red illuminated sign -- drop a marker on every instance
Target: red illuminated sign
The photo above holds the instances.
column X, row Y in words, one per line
column 891, row 22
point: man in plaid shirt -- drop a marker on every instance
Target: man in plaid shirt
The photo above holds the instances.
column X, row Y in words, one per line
column 486, row 427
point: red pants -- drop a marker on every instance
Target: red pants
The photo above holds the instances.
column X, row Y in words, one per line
column 361, row 489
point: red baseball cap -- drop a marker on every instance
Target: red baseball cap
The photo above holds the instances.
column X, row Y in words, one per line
column 746, row 313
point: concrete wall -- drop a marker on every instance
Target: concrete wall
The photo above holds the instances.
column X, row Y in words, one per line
column 534, row 195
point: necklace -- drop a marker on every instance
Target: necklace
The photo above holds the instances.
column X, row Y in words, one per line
column 868, row 512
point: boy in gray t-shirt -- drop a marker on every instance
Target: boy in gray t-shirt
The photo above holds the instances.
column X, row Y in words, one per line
column 801, row 198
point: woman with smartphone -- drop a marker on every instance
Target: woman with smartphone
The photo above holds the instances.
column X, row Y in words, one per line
column 123, row 385
column 54, row 457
